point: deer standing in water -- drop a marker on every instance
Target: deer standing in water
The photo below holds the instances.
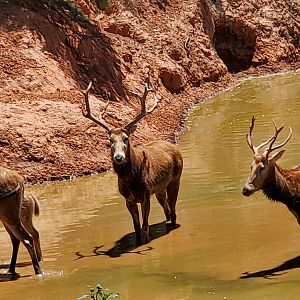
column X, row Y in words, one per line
column 277, row 184
column 143, row 170
column 16, row 211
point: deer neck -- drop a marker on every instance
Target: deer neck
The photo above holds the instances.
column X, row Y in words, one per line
column 277, row 188
column 127, row 169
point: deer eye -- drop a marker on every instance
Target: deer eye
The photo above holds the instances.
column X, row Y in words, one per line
column 125, row 141
column 261, row 168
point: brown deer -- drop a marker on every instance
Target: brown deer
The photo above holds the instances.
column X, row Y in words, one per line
column 143, row 170
column 16, row 211
column 277, row 184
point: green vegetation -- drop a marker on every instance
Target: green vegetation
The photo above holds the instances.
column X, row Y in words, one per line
column 98, row 294
column 76, row 12
column 102, row 4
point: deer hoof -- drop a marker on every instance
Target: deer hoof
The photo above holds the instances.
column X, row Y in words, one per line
column 146, row 235
column 39, row 272
column 13, row 274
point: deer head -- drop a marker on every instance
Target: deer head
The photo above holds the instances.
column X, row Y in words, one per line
column 119, row 136
column 263, row 164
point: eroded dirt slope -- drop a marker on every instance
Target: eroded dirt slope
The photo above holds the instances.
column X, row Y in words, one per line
column 190, row 49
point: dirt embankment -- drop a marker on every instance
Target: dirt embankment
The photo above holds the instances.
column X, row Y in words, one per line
column 190, row 49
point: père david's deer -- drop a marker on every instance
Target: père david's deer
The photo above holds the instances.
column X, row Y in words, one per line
column 143, row 170
column 277, row 184
column 16, row 211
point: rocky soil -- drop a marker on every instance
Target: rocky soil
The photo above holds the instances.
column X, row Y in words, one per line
column 189, row 50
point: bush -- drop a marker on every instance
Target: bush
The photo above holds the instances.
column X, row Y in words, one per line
column 102, row 4
column 98, row 293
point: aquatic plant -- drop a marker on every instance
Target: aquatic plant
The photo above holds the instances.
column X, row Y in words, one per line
column 98, row 293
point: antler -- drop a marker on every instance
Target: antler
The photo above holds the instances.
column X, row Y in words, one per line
column 86, row 110
column 144, row 111
column 274, row 137
column 249, row 140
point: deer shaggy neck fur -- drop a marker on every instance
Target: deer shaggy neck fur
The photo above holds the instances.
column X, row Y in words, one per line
column 284, row 186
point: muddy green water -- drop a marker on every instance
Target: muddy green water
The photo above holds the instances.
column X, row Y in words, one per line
column 86, row 231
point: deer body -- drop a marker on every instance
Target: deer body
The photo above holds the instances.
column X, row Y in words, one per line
column 278, row 184
column 143, row 170
column 154, row 168
column 283, row 185
column 16, row 211
column 150, row 167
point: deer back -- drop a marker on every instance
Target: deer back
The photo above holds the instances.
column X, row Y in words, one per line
column 158, row 163
column 9, row 181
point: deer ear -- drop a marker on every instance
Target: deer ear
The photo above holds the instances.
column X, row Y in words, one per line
column 277, row 156
column 132, row 129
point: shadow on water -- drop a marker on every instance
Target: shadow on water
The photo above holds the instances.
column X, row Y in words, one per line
column 293, row 263
column 127, row 244
column 10, row 277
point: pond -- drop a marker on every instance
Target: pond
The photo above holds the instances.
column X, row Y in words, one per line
column 227, row 246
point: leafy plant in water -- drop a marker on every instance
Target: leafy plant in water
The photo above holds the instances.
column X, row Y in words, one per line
column 99, row 293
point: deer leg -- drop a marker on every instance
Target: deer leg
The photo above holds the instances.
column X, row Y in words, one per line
column 36, row 238
column 29, row 207
column 162, row 199
column 36, row 242
column 133, row 209
column 172, row 192
column 145, row 214
column 22, row 235
column 15, row 243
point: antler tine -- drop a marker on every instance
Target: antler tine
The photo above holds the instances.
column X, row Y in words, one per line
column 263, row 144
column 277, row 131
column 86, row 110
column 285, row 141
column 249, row 140
column 248, row 135
column 144, row 111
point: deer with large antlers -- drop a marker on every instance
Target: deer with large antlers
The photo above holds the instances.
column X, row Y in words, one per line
column 277, row 184
column 16, row 211
column 143, row 170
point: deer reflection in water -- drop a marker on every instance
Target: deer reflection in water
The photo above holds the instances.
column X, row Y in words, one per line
column 127, row 243
column 293, row 263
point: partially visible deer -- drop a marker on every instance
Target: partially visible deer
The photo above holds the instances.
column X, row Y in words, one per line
column 143, row 170
column 277, row 184
column 16, row 211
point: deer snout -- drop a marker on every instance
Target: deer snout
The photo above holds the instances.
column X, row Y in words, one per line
column 248, row 190
column 119, row 158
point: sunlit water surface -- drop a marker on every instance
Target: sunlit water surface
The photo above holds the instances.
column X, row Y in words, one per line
column 227, row 247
